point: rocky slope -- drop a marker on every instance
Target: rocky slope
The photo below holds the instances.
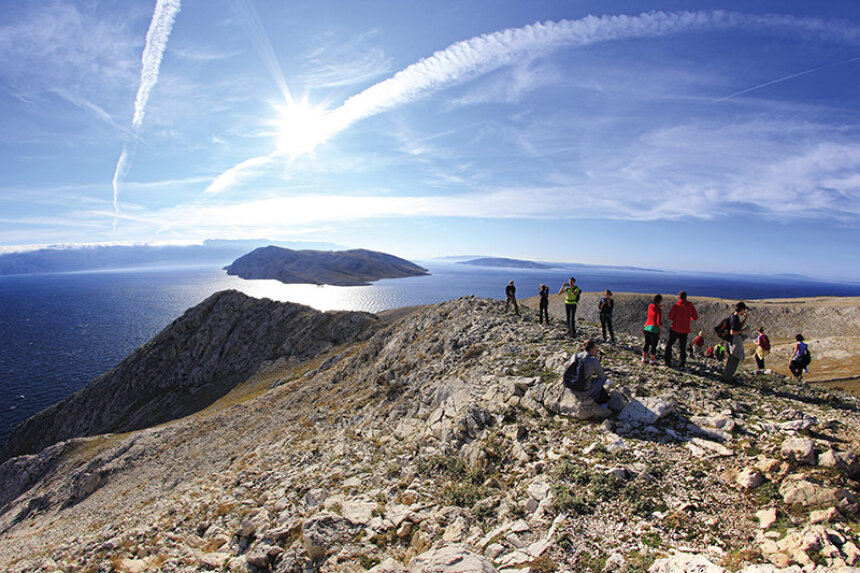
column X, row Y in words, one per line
column 444, row 442
column 194, row 361
column 342, row 268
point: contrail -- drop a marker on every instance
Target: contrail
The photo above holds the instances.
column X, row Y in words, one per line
column 482, row 54
column 156, row 41
column 120, row 171
column 785, row 78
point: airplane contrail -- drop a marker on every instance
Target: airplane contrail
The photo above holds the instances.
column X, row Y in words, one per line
column 153, row 51
column 788, row 77
column 482, row 54
column 156, row 41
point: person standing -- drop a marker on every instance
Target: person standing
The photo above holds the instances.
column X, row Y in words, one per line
column 605, row 307
column 543, row 310
column 699, row 345
column 681, row 314
column 799, row 359
column 571, row 299
column 762, row 348
column 511, row 297
column 738, row 328
column 651, row 330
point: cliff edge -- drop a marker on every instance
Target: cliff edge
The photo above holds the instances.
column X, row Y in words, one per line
column 194, row 361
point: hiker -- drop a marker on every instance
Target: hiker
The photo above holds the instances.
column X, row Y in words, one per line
column 799, row 359
column 709, row 353
column 543, row 311
column 584, row 374
column 651, row 330
column 571, row 298
column 738, row 329
column 699, row 345
column 719, row 351
column 511, row 297
column 681, row 314
column 762, row 348
column 605, row 307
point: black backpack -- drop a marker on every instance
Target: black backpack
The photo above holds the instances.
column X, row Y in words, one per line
column 724, row 329
column 574, row 376
column 806, row 358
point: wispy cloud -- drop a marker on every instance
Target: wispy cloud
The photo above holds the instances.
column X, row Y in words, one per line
column 476, row 56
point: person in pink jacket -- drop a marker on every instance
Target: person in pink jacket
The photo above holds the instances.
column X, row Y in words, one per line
column 652, row 329
column 681, row 314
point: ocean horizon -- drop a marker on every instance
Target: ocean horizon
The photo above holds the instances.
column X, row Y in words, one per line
column 59, row 331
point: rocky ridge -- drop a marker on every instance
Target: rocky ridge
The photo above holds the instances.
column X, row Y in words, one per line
column 445, row 442
column 194, row 361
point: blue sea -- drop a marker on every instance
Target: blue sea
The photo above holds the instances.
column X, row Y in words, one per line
column 59, row 331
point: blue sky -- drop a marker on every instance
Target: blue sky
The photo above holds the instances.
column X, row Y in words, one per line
column 628, row 133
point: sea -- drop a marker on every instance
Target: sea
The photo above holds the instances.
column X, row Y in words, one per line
column 59, row 331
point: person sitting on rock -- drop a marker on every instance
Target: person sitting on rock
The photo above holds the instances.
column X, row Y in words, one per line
column 584, row 374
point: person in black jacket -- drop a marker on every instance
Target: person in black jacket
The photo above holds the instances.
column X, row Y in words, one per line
column 511, row 297
column 543, row 311
column 606, row 304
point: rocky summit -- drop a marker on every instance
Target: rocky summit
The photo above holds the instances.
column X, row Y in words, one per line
column 442, row 440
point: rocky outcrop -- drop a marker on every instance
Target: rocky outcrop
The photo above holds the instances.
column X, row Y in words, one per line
column 194, row 361
column 342, row 268
column 444, row 442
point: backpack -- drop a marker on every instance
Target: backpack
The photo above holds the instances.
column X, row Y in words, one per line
column 574, row 376
column 764, row 342
column 806, row 358
column 724, row 329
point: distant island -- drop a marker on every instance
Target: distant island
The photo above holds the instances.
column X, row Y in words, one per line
column 506, row 263
column 76, row 258
column 357, row 267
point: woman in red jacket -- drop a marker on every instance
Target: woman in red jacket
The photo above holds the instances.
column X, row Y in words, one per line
column 652, row 329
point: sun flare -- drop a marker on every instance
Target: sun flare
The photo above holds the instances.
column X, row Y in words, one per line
column 301, row 127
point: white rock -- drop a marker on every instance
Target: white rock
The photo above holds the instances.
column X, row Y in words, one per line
column 359, row 511
column 799, row 449
column 646, row 411
column 685, row 563
column 766, row 517
column 450, row 559
column 749, row 478
column 712, row 448
column 538, row 489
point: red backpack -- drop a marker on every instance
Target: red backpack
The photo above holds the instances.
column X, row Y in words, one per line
column 764, row 342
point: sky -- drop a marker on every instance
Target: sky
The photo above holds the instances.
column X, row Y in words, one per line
column 723, row 137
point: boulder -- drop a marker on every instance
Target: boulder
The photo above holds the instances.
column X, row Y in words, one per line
column 560, row 400
column 800, row 450
column 450, row 559
column 801, row 491
column 646, row 411
column 843, row 461
column 325, row 531
column 685, row 562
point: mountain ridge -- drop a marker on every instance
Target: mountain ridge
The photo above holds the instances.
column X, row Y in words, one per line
column 445, row 437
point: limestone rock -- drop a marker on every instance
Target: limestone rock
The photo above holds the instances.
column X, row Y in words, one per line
column 766, row 517
column 844, row 461
column 685, row 563
column 799, row 449
column 646, row 411
column 323, row 532
column 450, row 559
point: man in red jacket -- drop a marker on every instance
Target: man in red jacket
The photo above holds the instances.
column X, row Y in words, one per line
column 681, row 315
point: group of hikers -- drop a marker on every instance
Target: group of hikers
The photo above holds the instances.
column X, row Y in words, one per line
column 585, row 374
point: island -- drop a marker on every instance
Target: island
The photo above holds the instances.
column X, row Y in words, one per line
column 356, row 267
column 506, row 263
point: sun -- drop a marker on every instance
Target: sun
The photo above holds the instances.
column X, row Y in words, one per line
column 301, row 127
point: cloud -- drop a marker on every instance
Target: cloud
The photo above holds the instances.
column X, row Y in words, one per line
column 238, row 174
column 476, row 56
column 156, row 41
